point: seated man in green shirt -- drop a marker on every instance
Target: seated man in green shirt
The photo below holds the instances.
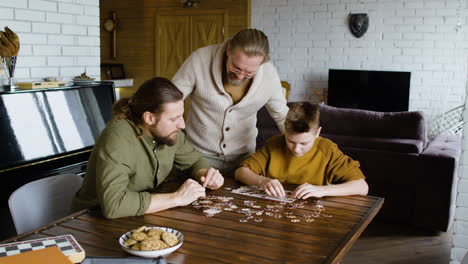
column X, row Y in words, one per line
column 136, row 152
column 300, row 156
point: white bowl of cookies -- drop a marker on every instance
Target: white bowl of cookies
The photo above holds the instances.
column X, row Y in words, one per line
column 151, row 242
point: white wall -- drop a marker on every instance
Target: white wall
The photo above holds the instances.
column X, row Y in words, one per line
column 59, row 38
column 308, row 37
column 460, row 232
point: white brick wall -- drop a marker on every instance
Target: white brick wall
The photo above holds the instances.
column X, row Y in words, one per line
column 309, row 37
column 59, row 38
column 460, row 238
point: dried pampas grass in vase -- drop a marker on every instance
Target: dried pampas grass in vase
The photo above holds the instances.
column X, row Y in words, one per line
column 9, row 48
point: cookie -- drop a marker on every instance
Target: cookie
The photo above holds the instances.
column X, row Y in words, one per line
column 169, row 238
column 136, row 247
column 140, row 229
column 139, row 236
column 130, row 242
column 155, row 232
column 153, row 243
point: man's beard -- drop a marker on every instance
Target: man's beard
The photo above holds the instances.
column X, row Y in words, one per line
column 165, row 140
column 232, row 81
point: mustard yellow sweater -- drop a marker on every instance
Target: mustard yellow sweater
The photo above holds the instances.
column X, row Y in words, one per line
column 323, row 164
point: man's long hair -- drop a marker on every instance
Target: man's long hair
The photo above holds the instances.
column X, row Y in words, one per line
column 252, row 42
column 151, row 96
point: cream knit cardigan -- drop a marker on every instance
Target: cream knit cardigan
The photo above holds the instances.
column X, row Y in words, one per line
column 214, row 124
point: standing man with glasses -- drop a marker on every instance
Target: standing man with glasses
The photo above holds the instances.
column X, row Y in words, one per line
column 227, row 84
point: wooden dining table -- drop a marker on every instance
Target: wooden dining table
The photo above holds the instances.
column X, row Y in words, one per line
column 227, row 227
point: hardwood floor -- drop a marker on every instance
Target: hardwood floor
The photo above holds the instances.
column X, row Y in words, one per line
column 400, row 244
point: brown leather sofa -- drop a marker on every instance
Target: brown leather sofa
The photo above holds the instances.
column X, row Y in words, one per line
column 416, row 177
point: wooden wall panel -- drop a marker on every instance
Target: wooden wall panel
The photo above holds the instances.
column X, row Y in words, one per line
column 136, row 29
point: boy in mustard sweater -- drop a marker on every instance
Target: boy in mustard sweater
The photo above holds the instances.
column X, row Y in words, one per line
column 300, row 156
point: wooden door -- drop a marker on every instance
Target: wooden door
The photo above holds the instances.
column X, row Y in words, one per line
column 179, row 33
column 206, row 30
column 174, row 45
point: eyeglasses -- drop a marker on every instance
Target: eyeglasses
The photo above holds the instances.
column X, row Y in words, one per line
column 235, row 70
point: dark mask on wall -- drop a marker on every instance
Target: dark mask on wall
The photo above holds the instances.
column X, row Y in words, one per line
column 358, row 24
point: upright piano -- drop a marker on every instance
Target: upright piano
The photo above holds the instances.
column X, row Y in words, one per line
column 48, row 132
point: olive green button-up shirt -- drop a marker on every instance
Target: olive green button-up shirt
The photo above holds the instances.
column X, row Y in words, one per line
column 124, row 166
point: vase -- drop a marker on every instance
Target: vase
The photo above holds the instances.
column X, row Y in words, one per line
column 9, row 64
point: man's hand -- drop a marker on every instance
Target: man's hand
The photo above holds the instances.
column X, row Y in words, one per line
column 212, row 179
column 189, row 192
column 307, row 190
column 273, row 187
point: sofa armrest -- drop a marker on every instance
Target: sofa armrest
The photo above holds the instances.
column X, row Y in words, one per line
column 448, row 146
column 438, row 175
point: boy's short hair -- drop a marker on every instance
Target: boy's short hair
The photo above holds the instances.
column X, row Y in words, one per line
column 302, row 117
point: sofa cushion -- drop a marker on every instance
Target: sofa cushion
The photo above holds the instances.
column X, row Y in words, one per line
column 388, row 144
column 266, row 127
column 364, row 123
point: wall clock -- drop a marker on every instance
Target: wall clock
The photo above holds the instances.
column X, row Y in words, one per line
column 109, row 24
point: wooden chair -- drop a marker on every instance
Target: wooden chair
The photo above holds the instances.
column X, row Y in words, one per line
column 287, row 88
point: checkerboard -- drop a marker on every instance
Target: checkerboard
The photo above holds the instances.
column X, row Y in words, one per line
column 66, row 243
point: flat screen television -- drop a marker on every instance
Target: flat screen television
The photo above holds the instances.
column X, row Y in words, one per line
column 385, row 91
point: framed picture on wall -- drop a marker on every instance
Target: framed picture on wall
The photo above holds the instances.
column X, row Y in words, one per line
column 115, row 71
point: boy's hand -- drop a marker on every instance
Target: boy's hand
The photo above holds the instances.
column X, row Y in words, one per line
column 273, row 187
column 307, row 190
column 212, row 179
